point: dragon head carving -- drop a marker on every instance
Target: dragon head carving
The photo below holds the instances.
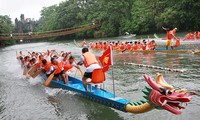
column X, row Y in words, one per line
column 163, row 95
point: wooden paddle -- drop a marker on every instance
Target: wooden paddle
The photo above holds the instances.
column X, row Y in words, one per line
column 49, row 79
column 124, row 50
column 25, row 70
column 17, row 55
column 32, row 70
column 36, row 73
column 174, row 36
column 155, row 35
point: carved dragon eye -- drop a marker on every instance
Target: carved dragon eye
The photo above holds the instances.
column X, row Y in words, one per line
column 168, row 92
column 165, row 91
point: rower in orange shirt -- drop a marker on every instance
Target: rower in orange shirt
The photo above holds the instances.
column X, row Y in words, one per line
column 135, row 46
column 92, row 46
column 69, row 63
column 152, row 45
column 129, row 46
column 58, row 67
column 122, row 47
column 139, row 46
column 46, row 67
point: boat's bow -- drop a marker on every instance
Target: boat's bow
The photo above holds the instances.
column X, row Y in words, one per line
column 161, row 96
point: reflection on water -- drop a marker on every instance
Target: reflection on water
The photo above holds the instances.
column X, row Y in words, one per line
column 2, row 94
column 2, row 107
column 74, row 107
column 19, row 99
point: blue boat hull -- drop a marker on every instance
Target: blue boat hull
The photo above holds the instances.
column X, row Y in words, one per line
column 97, row 94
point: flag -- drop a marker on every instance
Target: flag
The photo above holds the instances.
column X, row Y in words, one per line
column 106, row 59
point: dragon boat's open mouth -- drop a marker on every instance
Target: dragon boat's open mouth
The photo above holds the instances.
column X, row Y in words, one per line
column 175, row 104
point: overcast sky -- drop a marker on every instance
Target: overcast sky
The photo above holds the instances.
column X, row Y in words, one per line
column 30, row 8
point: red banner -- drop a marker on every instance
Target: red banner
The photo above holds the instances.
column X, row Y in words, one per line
column 106, row 59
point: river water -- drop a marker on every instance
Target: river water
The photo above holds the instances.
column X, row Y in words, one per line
column 22, row 99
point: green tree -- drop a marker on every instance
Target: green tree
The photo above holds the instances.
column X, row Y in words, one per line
column 6, row 28
column 117, row 17
column 6, row 25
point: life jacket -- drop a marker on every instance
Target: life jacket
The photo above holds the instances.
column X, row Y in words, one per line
column 135, row 47
column 144, row 47
column 89, row 59
column 129, row 46
column 92, row 45
column 58, row 67
column 67, row 67
column 122, row 47
column 96, row 46
column 39, row 64
column 169, row 37
column 151, row 45
column 187, row 36
column 140, row 46
column 191, row 36
column 47, row 66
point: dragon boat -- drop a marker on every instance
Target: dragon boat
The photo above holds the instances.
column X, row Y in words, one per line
column 176, row 50
column 161, row 49
column 160, row 95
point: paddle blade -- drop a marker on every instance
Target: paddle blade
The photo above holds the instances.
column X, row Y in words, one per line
column 36, row 73
column 49, row 79
column 17, row 55
column 32, row 70
column 25, row 70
